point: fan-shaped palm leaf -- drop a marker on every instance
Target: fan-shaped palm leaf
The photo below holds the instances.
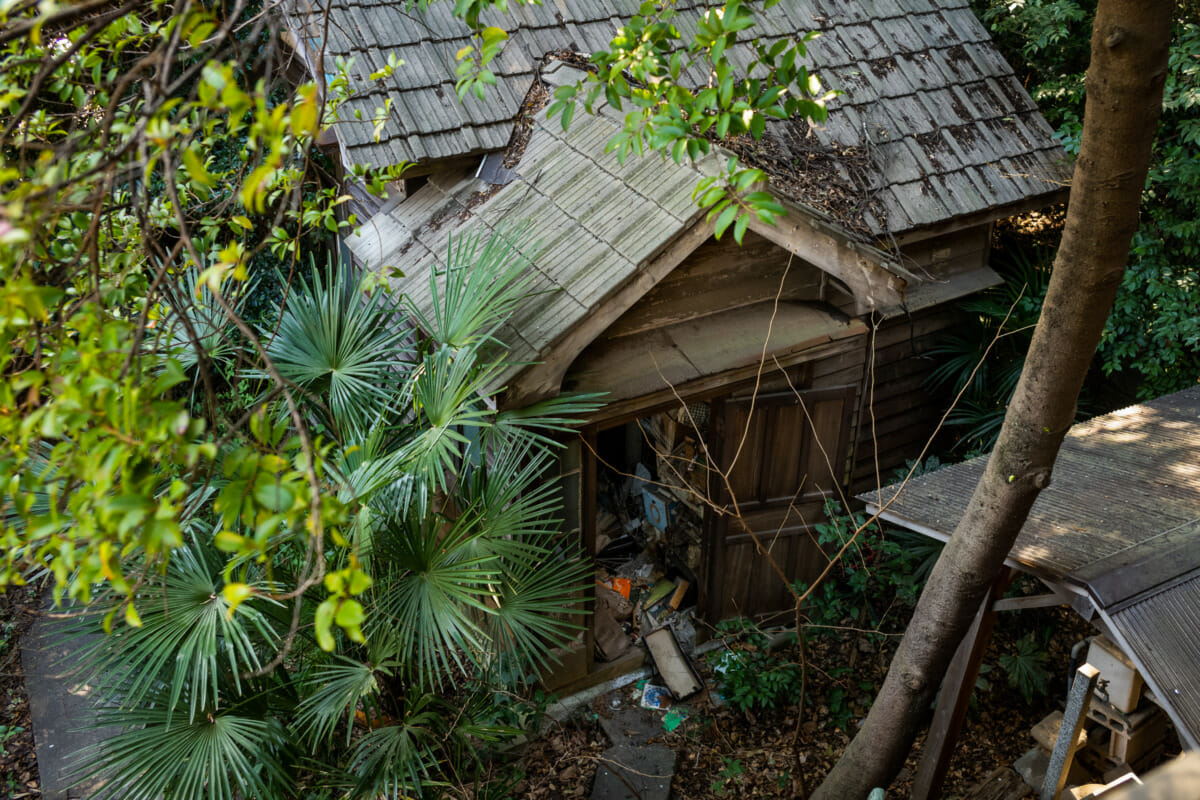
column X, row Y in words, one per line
column 196, row 324
column 396, row 761
column 346, row 348
column 187, row 640
column 529, row 620
column 510, row 502
column 334, row 691
column 431, row 594
column 558, row 414
column 484, row 282
column 222, row 756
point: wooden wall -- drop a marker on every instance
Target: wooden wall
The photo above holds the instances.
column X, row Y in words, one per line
column 898, row 411
column 950, row 254
column 721, row 275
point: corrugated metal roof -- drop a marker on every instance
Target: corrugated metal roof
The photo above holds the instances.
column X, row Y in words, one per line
column 1119, row 523
column 1159, row 633
column 906, row 67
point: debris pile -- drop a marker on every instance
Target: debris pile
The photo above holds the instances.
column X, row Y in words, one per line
column 649, row 530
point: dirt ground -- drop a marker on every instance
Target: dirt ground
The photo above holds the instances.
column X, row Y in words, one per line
column 783, row 753
column 18, row 763
column 722, row 752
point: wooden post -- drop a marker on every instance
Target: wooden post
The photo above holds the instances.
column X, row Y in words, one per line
column 587, row 527
column 955, row 696
column 1068, row 732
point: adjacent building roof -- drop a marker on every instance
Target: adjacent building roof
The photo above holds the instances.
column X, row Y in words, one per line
column 1119, row 526
column 932, row 124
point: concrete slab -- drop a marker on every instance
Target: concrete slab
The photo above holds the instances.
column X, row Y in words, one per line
column 635, row 773
column 631, row 724
column 60, row 712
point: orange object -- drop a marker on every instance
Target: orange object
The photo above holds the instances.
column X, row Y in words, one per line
column 680, row 591
column 621, row 586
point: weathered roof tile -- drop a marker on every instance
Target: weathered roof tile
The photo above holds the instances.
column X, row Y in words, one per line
column 907, row 68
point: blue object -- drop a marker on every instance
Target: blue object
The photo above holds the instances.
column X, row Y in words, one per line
column 658, row 510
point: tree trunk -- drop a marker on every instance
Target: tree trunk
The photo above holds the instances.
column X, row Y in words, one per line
column 1124, row 95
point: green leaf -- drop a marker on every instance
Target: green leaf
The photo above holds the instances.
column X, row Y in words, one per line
column 725, row 218
column 739, row 229
column 323, row 624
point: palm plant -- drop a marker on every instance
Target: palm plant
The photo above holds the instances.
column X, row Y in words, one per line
column 472, row 582
column 983, row 358
column 347, row 349
column 197, row 327
column 190, row 723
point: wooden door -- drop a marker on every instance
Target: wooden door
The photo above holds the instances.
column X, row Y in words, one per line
column 784, row 453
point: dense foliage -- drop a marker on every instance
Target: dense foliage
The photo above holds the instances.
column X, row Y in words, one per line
column 1153, row 334
column 328, row 548
column 323, row 556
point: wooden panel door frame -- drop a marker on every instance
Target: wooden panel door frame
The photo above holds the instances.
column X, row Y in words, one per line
column 716, row 535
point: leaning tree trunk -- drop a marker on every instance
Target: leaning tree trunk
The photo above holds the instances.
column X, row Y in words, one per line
column 1130, row 41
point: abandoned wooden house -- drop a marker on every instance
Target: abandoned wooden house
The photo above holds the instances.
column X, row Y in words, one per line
column 792, row 364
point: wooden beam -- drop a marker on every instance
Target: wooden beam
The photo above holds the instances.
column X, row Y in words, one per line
column 955, row 696
column 871, row 274
column 721, row 383
column 1034, row 601
column 986, row 216
column 544, row 379
column 587, row 528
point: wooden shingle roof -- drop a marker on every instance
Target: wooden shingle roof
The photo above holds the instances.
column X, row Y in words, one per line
column 598, row 223
column 946, row 129
column 603, row 234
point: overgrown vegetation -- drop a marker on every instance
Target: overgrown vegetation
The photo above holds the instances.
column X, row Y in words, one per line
column 446, row 511
column 320, row 551
column 982, row 359
column 1152, row 339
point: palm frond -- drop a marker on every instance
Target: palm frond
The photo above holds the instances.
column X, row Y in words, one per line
column 511, row 500
column 187, row 640
column 333, row 691
column 222, row 756
column 431, row 595
column 397, row 761
column 556, row 415
column 448, row 394
column 484, row 282
column 193, row 305
column 531, row 617
column 345, row 347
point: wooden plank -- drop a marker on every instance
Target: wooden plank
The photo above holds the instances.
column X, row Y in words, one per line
column 874, row 278
column 545, row 379
column 630, row 367
column 1003, row 784
column 899, row 330
column 942, row 256
column 587, row 440
column 719, row 276
column 955, row 696
column 1068, row 734
column 715, row 385
column 973, row 220
column 943, row 290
